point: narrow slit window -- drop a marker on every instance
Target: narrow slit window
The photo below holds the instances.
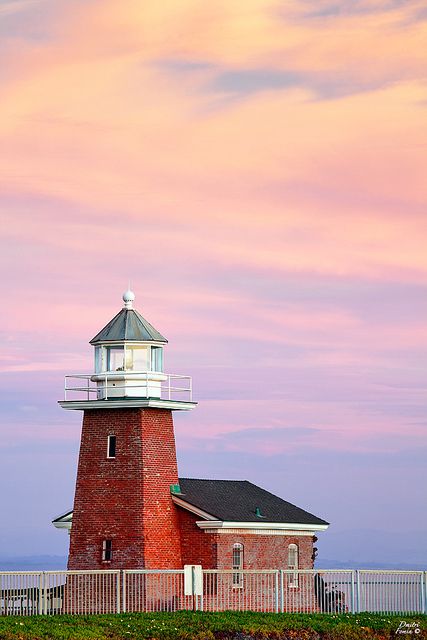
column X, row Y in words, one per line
column 237, row 565
column 111, row 447
column 293, row 564
column 107, row 550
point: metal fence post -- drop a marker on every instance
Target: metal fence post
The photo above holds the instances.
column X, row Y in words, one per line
column 276, row 592
column 193, row 587
column 118, row 592
column 353, row 594
column 357, row 604
column 124, row 590
column 425, row 592
column 282, row 591
column 201, row 600
column 40, row 603
column 44, row 594
column 422, row 595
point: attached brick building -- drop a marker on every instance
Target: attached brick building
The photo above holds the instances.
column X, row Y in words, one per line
column 131, row 511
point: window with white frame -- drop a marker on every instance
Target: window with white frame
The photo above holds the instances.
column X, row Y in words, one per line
column 98, row 359
column 156, row 358
column 237, row 565
column 293, row 564
column 115, row 358
column 136, row 358
column 107, row 550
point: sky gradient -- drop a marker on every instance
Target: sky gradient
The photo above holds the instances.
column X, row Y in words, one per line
column 257, row 170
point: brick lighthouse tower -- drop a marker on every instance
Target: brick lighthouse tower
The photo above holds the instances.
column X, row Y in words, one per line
column 123, row 515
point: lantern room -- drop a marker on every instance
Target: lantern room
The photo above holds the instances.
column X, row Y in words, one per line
column 128, row 366
column 128, row 356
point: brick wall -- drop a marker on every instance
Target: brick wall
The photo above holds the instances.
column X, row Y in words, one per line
column 264, row 551
column 214, row 551
column 126, row 499
column 197, row 547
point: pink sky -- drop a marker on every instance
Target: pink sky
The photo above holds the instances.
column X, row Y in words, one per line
column 257, row 169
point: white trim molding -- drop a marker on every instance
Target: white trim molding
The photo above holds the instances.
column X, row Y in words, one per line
column 126, row 403
column 262, row 532
column 189, row 507
column 224, row 527
column 64, row 521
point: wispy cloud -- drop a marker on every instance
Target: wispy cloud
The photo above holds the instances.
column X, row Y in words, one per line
column 258, row 171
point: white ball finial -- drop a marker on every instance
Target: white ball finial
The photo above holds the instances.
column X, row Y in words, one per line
column 128, row 298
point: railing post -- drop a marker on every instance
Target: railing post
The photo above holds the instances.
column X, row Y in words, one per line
column 353, row 592
column 118, row 598
column 282, row 591
column 193, row 587
column 357, row 604
column 169, row 387
column 276, row 592
column 44, row 594
column 425, row 592
column 65, row 388
column 201, row 601
column 191, row 389
column 422, row 595
column 106, row 386
column 88, row 390
column 124, row 590
column 40, row 603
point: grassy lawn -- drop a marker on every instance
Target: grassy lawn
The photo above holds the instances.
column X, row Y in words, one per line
column 184, row 625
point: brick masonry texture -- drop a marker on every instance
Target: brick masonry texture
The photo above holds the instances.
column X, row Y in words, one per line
column 214, row 551
column 126, row 499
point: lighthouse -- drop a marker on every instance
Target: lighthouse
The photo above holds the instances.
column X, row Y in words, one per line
column 131, row 510
column 124, row 515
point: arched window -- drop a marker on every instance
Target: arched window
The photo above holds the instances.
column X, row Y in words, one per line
column 293, row 564
column 237, row 565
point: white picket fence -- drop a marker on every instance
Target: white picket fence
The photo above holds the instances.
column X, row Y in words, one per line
column 306, row 591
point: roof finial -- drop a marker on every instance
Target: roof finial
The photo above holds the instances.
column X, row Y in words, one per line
column 128, row 298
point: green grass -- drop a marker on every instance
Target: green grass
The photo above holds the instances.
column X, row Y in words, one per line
column 186, row 625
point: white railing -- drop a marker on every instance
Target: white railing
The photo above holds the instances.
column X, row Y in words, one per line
column 27, row 593
column 141, row 384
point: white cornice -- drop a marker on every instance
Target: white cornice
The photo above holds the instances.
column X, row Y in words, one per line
column 62, row 525
column 260, row 526
column 262, row 532
column 127, row 403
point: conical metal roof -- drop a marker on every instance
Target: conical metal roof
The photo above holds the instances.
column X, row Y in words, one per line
column 128, row 325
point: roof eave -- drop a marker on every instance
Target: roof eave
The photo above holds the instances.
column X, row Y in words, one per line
column 288, row 526
column 180, row 502
column 150, row 341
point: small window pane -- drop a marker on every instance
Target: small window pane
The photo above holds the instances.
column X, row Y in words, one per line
column 111, row 446
column 98, row 359
column 115, row 358
column 237, row 565
column 107, row 550
column 136, row 358
column 156, row 358
column 293, row 564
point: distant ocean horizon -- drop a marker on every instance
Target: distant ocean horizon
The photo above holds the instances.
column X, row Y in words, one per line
column 52, row 563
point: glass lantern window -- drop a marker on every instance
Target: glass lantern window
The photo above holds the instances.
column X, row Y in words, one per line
column 98, row 359
column 156, row 358
column 115, row 358
column 136, row 358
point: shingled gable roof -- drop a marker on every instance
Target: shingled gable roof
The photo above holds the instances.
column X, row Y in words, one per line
column 129, row 325
column 233, row 501
column 238, row 500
